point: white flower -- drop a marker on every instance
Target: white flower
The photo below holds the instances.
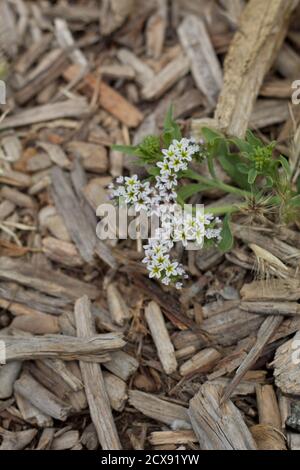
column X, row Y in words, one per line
column 155, row 271
column 132, row 181
column 120, row 179
column 178, row 285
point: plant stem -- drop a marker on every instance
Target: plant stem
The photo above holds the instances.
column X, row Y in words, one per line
column 218, row 184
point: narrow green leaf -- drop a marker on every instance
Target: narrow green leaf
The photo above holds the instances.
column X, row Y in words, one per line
column 226, row 243
column 285, row 164
column 252, row 176
column 127, row 149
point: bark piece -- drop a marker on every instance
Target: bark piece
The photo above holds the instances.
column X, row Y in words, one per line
column 37, row 324
column 166, row 78
column 160, row 335
column 65, row 441
column 204, row 63
column 68, row 348
column 68, row 206
column 172, row 437
column 202, row 361
column 268, row 438
column 265, row 332
column 41, row 398
column 74, row 108
column 218, row 427
column 117, row 307
column 121, row 364
column 116, row 390
column 259, row 37
column 16, row 440
column 8, row 375
column 268, row 409
column 160, row 410
column 109, row 99
column 286, row 366
column 44, row 279
column 94, row 384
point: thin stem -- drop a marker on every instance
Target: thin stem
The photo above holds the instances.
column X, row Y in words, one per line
column 219, row 184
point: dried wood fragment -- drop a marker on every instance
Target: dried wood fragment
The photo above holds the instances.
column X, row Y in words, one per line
column 62, row 252
column 38, row 324
column 41, row 398
column 68, row 206
column 89, row 437
column 65, row 441
column 160, row 410
column 66, row 40
column 273, row 289
column 172, row 437
column 202, row 361
column 116, row 390
column 94, row 157
column 32, row 54
column 122, row 364
column 160, row 335
column 271, row 308
column 65, row 347
column 265, row 332
column 75, row 108
column 94, row 384
column 47, row 75
column 218, row 426
column 113, row 13
column 46, row 439
column 17, row 198
column 269, row 112
column 144, row 73
column 31, row 414
column 44, row 279
column 268, row 438
column 286, row 366
column 16, row 440
column 8, row 375
column 156, row 29
column 268, row 409
column 204, row 63
column 109, row 99
column 260, row 35
column 286, row 253
column 293, row 441
column 166, row 78
column 117, row 306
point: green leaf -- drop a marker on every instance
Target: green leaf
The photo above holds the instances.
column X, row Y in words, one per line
column 229, row 163
column 227, row 238
column 171, row 129
column 252, row 175
column 243, row 168
column 188, row 190
column 210, row 135
column 285, row 164
column 252, row 140
column 242, row 145
column 295, row 201
column 127, row 149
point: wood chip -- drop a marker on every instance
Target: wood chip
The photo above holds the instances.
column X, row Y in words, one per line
column 94, row 384
column 218, row 427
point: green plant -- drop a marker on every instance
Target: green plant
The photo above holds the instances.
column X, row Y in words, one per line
column 260, row 177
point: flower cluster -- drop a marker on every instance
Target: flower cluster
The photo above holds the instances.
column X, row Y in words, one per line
column 161, row 199
column 175, row 159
